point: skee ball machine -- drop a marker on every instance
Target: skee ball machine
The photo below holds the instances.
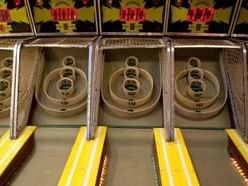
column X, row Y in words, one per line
column 237, row 143
column 202, row 111
column 132, row 90
column 65, row 33
column 238, row 137
column 15, row 143
column 175, row 108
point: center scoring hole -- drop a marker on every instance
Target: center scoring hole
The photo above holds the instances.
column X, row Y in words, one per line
column 196, row 86
column 67, row 72
column 131, row 72
column 131, row 85
column 195, row 74
column 65, row 84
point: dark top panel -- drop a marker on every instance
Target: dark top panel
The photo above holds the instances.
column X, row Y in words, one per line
column 13, row 17
column 241, row 26
column 132, row 16
column 201, row 16
column 64, row 16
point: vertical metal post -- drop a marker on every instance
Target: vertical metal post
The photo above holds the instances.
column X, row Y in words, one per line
column 244, row 53
column 168, row 93
column 93, row 90
column 97, row 81
column 171, row 92
column 90, row 105
column 14, row 90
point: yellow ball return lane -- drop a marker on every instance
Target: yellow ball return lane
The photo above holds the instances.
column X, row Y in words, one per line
column 130, row 157
column 174, row 163
column 13, row 152
column 62, row 156
column 203, row 127
column 16, row 143
column 83, row 164
column 58, row 125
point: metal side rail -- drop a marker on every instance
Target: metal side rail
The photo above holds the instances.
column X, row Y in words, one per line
column 173, row 160
column 84, row 162
column 12, row 152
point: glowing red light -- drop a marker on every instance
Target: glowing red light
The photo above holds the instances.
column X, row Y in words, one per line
column 200, row 15
column 17, row 3
column 5, row 15
column 133, row 14
column 85, row 2
column 64, row 14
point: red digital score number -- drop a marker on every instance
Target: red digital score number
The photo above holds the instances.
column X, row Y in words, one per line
column 132, row 14
column 64, row 14
column 5, row 15
column 201, row 15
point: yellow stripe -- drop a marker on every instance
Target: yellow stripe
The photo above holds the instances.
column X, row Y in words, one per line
column 164, row 168
column 174, row 162
column 186, row 157
column 239, row 143
column 83, row 163
column 10, row 148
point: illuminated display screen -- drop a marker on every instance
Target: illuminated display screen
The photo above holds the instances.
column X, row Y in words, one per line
column 132, row 14
column 64, row 14
column 201, row 15
column 205, row 16
column 4, row 15
column 241, row 26
column 14, row 18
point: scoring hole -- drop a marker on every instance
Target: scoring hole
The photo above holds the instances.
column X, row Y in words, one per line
column 195, row 74
column 196, row 86
column 3, row 85
column 131, row 62
column 8, row 63
column 5, row 74
column 69, row 61
column 131, row 87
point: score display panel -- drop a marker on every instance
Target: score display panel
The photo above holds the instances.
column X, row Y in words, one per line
column 201, row 17
column 64, row 16
column 241, row 26
column 14, row 19
column 132, row 16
